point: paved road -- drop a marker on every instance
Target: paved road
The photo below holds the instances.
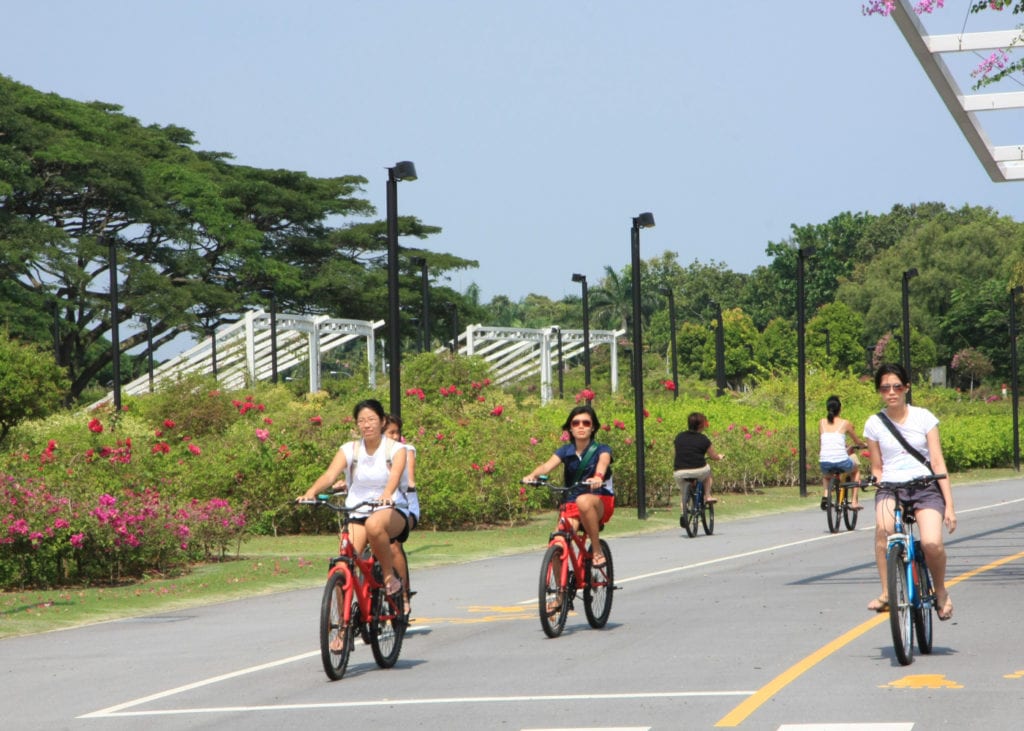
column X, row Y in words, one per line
column 761, row 626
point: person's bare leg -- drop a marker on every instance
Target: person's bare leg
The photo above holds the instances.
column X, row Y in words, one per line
column 591, row 509
column 883, row 527
column 380, row 526
column 929, row 524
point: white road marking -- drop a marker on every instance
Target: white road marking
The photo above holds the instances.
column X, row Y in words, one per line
column 846, row 727
column 119, row 711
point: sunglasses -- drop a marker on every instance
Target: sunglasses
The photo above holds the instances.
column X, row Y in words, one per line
column 894, row 387
column 581, row 422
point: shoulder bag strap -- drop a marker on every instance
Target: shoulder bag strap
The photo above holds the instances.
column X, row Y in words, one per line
column 902, row 440
column 585, row 458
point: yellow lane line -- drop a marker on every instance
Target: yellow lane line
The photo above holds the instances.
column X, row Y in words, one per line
column 740, row 713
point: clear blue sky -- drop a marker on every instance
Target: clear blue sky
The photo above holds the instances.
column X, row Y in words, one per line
column 538, row 128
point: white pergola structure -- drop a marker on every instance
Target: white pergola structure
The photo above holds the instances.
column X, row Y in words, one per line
column 244, row 355
column 1003, row 163
column 515, row 353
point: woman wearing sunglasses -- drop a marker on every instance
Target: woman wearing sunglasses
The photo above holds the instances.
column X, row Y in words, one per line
column 585, row 461
column 932, row 506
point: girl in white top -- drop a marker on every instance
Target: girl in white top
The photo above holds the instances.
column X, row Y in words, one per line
column 834, row 454
column 932, row 505
column 379, row 464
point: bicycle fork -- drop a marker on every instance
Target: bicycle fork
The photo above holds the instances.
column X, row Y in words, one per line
column 566, row 575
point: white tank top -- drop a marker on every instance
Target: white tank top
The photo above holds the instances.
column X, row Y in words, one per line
column 833, row 447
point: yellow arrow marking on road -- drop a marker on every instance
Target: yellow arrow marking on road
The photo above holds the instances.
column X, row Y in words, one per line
column 923, row 681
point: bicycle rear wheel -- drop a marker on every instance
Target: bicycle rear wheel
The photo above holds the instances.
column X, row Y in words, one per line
column 690, row 516
column 335, row 632
column 387, row 628
column 553, row 596
column 707, row 517
column 597, row 592
column 899, row 605
column 923, row 610
column 835, row 506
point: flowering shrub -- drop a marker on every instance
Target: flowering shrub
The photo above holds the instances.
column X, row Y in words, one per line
column 52, row 540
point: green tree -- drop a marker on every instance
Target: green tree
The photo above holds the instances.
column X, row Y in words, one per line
column 844, row 327
column 32, row 385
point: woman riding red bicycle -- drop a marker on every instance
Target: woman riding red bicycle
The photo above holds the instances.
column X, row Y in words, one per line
column 586, row 461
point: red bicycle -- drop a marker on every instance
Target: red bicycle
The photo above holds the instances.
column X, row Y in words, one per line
column 355, row 599
column 568, row 568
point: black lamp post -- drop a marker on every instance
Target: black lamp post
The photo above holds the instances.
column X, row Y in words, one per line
column 719, row 349
column 672, row 338
column 213, row 348
column 801, row 364
column 453, row 311
column 1013, row 375
column 401, row 171
column 149, row 349
column 582, row 279
column 644, row 220
column 907, row 276
column 115, row 336
column 55, row 307
column 421, row 262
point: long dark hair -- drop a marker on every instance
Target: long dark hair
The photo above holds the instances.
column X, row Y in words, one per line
column 833, row 406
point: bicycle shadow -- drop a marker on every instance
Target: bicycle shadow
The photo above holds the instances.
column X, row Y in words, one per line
column 888, row 653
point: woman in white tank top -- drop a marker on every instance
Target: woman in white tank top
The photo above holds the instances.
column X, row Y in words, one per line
column 834, row 453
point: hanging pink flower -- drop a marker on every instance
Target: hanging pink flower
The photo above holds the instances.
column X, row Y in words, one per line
column 316, row 420
column 497, row 410
column 262, row 434
column 169, row 423
column 95, row 426
column 194, row 449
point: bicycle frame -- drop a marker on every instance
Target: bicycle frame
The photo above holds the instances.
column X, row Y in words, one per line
column 574, row 545
column 903, row 535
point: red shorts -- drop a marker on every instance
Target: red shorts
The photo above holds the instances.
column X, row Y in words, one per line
column 571, row 511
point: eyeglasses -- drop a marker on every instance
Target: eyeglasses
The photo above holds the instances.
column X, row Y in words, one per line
column 368, row 421
column 581, row 422
column 894, row 387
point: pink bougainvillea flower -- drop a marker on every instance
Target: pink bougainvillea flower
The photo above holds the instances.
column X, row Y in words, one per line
column 474, row 466
column 481, row 399
column 497, row 410
column 606, row 427
column 565, row 436
column 316, row 420
column 646, row 413
column 670, row 385
column 194, row 449
column 439, row 436
column 95, row 426
column 158, row 433
column 533, row 441
column 161, row 448
column 169, row 423
column 267, row 420
column 618, row 424
column 262, row 434
column 489, row 467
column 77, row 540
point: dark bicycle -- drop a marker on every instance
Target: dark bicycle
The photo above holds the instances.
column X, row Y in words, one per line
column 838, row 503
column 568, row 567
column 695, row 508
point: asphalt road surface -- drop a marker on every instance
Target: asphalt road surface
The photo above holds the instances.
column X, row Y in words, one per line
column 761, row 626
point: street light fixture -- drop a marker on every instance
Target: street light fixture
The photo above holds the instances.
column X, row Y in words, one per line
column 401, row 171
column 907, row 276
column 801, row 364
column 115, row 337
column 421, row 262
column 453, row 312
column 644, row 220
column 1013, row 375
column 719, row 348
column 667, row 291
column 582, row 279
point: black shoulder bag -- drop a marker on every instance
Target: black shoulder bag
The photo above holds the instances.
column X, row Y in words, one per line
column 902, row 440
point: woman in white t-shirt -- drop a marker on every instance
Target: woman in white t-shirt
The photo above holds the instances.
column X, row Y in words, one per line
column 834, row 454
column 378, row 466
column 932, row 505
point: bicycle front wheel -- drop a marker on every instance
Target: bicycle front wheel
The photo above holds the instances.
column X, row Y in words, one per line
column 690, row 515
column 335, row 628
column 387, row 628
column 923, row 610
column 553, row 596
column 597, row 592
column 707, row 517
column 899, row 605
column 835, row 505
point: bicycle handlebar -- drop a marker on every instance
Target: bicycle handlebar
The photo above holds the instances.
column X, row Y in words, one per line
column 325, row 499
column 562, row 488
column 915, row 482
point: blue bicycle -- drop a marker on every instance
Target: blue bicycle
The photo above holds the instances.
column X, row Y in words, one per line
column 695, row 508
column 909, row 583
